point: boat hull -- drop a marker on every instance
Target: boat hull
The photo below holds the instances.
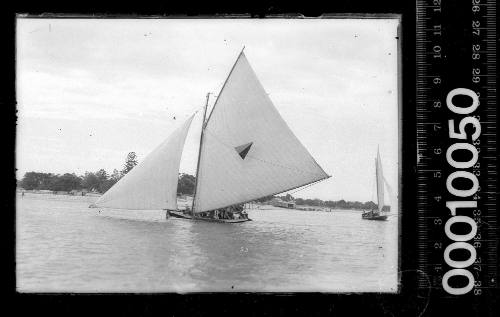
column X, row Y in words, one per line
column 181, row 215
column 373, row 216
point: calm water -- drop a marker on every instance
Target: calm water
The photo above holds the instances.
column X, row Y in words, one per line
column 63, row 246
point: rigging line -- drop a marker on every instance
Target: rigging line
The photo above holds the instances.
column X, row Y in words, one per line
column 373, row 188
column 309, row 185
column 272, row 194
column 261, row 160
column 224, row 85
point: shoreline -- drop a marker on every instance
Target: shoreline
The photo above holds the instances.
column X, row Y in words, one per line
column 182, row 201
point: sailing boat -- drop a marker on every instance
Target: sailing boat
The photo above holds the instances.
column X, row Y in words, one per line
column 379, row 177
column 246, row 152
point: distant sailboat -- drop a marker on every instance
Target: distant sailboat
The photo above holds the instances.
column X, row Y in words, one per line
column 246, row 152
column 379, row 177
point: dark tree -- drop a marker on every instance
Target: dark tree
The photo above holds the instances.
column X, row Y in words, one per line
column 264, row 199
column 35, row 180
column 49, row 181
column 130, row 162
column 113, row 179
column 342, row 204
column 116, row 176
column 370, row 205
column 66, row 182
column 31, row 180
column 102, row 178
column 186, row 184
column 90, row 181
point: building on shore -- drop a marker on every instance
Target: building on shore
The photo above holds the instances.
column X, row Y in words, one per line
column 76, row 192
column 277, row 202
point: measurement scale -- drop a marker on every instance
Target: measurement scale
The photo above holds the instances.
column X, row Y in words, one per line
column 456, row 115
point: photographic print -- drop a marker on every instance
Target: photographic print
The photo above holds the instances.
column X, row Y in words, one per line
column 207, row 155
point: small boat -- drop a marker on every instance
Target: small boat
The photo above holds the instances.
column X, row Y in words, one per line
column 246, row 152
column 373, row 215
column 377, row 214
column 182, row 214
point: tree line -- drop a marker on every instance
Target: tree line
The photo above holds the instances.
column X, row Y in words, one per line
column 99, row 181
column 339, row 204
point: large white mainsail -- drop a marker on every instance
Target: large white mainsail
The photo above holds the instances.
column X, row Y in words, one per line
column 152, row 184
column 380, row 182
column 248, row 150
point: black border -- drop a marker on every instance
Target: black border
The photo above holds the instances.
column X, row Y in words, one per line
column 405, row 303
column 310, row 304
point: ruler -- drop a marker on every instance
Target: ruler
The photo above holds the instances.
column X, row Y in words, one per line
column 457, row 229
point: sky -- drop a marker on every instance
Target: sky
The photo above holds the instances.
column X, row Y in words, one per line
column 89, row 91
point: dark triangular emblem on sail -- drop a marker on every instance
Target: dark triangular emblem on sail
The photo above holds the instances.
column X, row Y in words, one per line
column 243, row 149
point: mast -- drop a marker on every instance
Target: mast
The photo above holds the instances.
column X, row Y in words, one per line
column 199, row 153
column 376, row 180
column 379, row 179
column 203, row 128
